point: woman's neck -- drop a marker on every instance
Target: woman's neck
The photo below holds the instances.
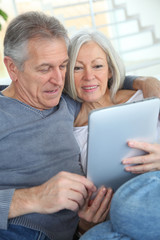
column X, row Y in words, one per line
column 87, row 107
column 122, row 96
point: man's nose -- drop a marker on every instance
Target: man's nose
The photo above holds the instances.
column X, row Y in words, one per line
column 57, row 76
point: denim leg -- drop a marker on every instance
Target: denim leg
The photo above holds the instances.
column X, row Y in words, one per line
column 16, row 232
column 135, row 211
column 103, row 231
column 135, row 207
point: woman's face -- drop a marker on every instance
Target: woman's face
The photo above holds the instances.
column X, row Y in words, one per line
column 91, row 73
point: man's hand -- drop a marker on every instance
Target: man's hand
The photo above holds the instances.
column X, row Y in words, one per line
column 63, row 191
column 150, row 86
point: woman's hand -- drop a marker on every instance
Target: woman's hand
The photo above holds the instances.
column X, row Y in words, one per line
column 95, row 210
column 146, row 163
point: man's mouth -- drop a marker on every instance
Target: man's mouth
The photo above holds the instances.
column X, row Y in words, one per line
column 52, row 91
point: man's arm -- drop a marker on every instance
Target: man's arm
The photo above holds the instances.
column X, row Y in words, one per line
column 63, row 191
column 150, row 86
column 128, row 82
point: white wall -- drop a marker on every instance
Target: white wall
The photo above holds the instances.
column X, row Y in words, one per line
column 149, row 11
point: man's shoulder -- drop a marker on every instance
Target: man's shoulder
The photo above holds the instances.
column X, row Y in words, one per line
column 73, row 106
column 69, row 100
column 2, row 87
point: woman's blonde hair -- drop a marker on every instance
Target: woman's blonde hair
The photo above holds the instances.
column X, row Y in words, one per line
column 115, row 64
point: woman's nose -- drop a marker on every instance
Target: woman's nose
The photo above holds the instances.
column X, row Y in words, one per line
column 88, row 74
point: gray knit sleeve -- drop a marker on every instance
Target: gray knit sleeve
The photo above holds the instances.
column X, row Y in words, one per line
column 73, row 106
column 128, row 82
column 5, row 201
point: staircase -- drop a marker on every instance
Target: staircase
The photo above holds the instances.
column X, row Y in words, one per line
column 137, row 45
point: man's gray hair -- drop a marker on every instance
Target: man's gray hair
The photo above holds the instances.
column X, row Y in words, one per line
column 28, row 26
column 115, row 64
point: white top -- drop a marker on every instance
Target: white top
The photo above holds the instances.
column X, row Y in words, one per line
column 81, row 133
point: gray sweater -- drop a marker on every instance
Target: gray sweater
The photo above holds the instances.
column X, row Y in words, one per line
column 34, row 146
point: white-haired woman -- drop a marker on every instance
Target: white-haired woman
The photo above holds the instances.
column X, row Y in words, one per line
column 95, row 77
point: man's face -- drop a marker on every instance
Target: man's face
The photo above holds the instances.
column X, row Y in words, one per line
column 41, row 82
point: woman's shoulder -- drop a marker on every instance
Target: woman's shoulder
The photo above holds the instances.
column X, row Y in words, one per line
column 123, row 96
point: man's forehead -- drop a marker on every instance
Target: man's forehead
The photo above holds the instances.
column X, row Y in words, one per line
column 44, row 44
column 46, row 50
column 52, row 64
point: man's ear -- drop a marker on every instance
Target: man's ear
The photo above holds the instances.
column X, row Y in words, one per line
column 11, row 68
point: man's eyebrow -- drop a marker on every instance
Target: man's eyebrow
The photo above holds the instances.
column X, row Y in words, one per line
column 43, row 65
column 66, row 61
column 50, row 65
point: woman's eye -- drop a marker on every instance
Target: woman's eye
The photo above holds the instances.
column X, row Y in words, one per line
column 98, row 66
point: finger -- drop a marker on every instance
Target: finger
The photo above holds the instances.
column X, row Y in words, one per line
column 87, row 202
column 147, row 147
column 76, row 197
column 148, row 158
column 72, row 205
column 81, row 179
column 98, row 200
column 142, row 168
column 105, row 214
column 93, row 208
column 76, row 182
column 100, row 209
column 89, row 199
column 104, row 207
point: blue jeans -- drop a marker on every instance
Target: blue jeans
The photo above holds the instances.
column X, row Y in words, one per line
column 134, row 213
column 15, row 232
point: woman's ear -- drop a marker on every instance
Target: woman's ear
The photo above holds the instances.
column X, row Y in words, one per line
column 110, row 80
column 11, row 68
column 109, row 73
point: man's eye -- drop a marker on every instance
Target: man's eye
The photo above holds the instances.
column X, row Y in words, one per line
column 76, row 68
column 63, row 66
column 43, row 70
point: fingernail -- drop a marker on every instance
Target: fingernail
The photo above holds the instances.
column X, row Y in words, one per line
column 127, row 168
column 104, row 190
column 131, row 143
column 110, row 190
column 124, row 161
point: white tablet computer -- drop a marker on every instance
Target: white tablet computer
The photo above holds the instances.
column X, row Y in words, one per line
column 109, row 130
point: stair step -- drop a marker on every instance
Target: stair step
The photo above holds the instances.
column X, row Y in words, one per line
column 149, row 53
column 131, row 43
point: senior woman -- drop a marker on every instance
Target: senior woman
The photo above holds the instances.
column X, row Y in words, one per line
column 95, row 76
